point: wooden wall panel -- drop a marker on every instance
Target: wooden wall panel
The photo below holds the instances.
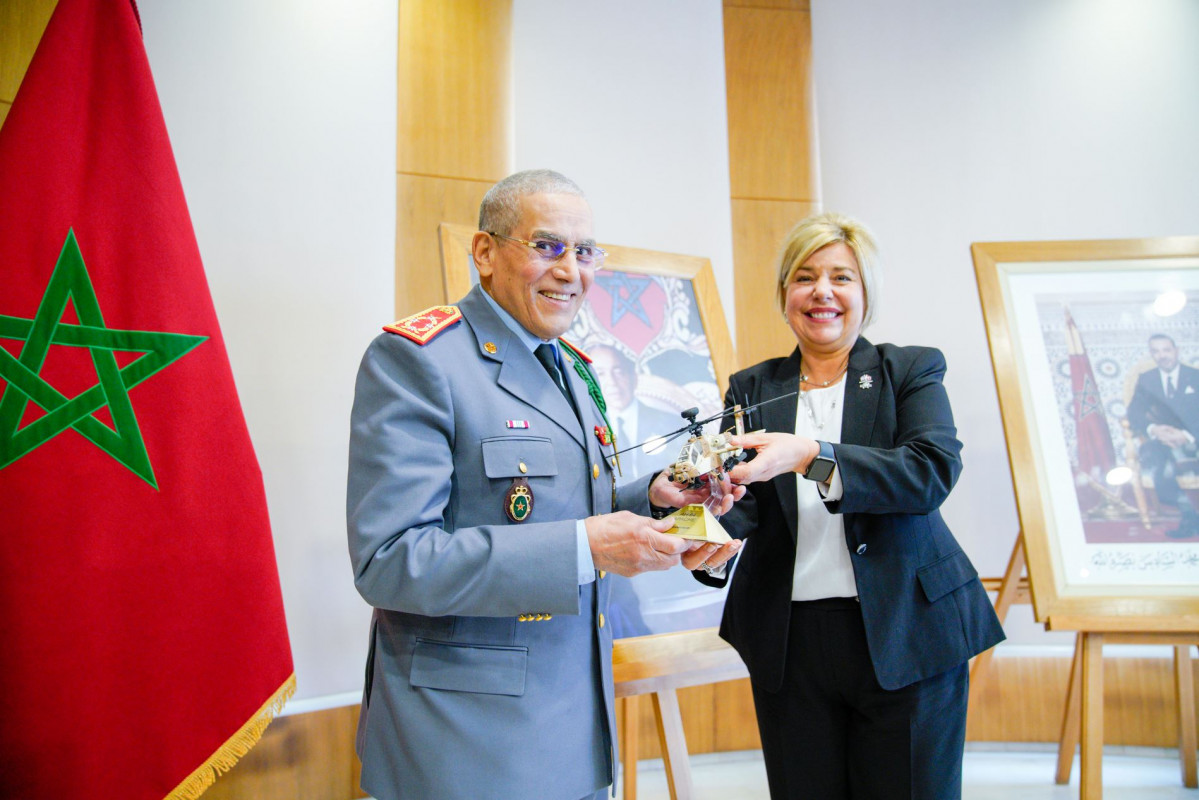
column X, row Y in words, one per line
column 1022, row 700
column 453, row 130
column 758, row 228
column 310, row 756
column 736, row 723
column 22, row 23
column 422, row 203
column 793, row 5
column 454, row 88
column 302, row 757
column 770, row 110
column 773, row 171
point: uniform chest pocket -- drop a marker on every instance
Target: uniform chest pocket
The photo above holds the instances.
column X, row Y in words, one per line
column 517, row 456
column 469, row 668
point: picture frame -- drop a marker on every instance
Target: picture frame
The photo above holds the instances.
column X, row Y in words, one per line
column 1106, row 491
column 655, row 317
column 459, row 276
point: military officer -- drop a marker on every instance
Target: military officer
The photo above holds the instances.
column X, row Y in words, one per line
column 482, row 527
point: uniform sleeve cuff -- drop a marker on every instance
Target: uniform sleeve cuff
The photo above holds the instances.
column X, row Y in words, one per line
column 586, row 563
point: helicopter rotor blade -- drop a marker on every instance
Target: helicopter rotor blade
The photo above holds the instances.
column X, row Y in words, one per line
column 656, row 441
column 744, row 409
column 666, row 438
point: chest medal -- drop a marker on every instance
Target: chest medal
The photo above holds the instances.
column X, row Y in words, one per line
column 518, row 502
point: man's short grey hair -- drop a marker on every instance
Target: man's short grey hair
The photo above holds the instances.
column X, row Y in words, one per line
column 500, row 210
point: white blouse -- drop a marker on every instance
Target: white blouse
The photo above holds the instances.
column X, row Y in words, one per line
column 822, row 564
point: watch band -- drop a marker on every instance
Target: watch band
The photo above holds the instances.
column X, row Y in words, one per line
column 822, row 466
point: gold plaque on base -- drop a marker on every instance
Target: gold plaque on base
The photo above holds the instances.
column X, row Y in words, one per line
column 697, row 523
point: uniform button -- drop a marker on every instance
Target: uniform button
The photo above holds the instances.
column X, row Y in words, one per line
column 549, row 616
column 601, row 621
column 602, row 574
column 523, row 618
column 523, row 468
column 595, row 470
column 861, row 549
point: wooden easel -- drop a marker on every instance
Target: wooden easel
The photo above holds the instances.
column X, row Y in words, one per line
column 659, row 665
column 1084, row 707
column 1082, row 719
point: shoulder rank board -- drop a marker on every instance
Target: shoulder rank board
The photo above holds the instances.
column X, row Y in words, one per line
column 423, row 326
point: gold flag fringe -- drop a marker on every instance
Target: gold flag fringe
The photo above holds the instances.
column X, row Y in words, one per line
column 235, row 747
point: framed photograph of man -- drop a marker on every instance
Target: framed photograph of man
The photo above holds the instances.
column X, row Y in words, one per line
column 656, row 333
column 1095, row 348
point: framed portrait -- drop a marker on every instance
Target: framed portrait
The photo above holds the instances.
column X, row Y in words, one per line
column 653, row 325
column 1095, row 349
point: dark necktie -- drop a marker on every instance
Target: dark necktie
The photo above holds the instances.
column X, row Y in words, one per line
column 1170, row 386
column 545, row 354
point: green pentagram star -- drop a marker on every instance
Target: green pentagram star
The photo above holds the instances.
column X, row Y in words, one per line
column 70, row 281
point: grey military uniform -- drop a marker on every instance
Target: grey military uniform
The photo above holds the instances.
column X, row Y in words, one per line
column 490, row 665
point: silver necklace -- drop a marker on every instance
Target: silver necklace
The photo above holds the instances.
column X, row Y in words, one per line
column 822, row 384
column 806, row 396
column 807, row 404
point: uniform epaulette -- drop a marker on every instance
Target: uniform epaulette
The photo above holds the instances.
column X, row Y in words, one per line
column 423, row 326
column 575, row 349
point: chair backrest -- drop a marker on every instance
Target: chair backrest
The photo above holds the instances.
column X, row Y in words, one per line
column 1134, row 374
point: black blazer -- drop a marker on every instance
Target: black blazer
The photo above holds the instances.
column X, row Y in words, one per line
column 925, row 609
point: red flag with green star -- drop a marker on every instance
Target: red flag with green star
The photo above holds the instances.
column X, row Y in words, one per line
column 143, row 646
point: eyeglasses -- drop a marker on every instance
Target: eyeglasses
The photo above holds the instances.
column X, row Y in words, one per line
column 587, row 256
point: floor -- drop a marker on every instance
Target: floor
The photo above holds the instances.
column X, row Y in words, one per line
column 991, row 772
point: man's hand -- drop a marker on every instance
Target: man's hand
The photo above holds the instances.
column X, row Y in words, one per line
column 629, row 544
column 1170, row 436
column 665, row 494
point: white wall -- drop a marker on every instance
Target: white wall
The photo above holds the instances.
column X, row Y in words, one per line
column 627, row 98
column 282, row 117
column 944, row 122
column 941, row 123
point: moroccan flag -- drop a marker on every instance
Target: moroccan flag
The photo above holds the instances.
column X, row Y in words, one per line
column 1096, row 456
column 143, row 646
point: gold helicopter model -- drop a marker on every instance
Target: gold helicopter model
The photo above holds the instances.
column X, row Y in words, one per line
column 704, row 454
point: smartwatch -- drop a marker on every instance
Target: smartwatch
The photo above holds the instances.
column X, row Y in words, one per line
column 822, row 466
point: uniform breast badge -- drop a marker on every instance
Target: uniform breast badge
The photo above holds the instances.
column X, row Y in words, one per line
column 608, row 439
column 604, row 435
column 518, row 502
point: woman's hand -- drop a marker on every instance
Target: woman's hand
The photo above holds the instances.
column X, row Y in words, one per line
column 776, row 453
column 665, row 494
column 714, row 555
